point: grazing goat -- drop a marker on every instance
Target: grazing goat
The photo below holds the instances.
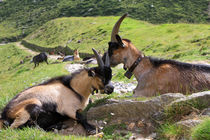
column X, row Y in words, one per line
column 39, row 58
column 50, row 103
column 156, row 76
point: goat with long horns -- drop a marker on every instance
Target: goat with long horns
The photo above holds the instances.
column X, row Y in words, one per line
column 50, row 103
column 156, row 76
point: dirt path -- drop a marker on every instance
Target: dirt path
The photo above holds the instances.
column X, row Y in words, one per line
column 54, row 57
column 26, row 49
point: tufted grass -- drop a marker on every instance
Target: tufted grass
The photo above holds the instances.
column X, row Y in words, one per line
column 202, row 131
column 169, row 131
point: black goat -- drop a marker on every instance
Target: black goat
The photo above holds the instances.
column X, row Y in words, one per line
column 39, row 58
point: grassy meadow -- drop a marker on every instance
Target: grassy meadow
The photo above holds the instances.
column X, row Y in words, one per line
column 186, row 42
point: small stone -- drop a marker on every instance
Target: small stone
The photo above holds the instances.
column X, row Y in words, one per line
column 55, row 130
column 131, row 126
column 112, row 114
column 140, row 124
column 123, row 90
column 119, row 121
column 99, row 135
column 206, row 111
column 21, row 62
column 71, row 129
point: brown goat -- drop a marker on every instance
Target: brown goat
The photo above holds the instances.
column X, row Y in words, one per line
column 50, row 103
column 156, row 76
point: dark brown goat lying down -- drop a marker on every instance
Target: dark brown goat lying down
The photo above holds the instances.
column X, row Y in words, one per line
column 156, row 76
column 52, row 102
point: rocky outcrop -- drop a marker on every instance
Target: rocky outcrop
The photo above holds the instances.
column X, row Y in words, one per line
column 143, row 117
column 131, row 110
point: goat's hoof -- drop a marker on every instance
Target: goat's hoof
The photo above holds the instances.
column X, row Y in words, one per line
column 91, row 132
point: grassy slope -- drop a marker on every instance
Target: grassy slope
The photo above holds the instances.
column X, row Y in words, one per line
column 8, row 30
column 25, row 16
column 177, row 41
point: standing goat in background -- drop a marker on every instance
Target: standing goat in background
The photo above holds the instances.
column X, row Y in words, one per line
column 156, row 76
column 39, row 58
column 50, row 103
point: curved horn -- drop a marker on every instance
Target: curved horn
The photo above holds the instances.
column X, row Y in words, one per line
column 98, row 58
column 116, row 27
column 107, row 62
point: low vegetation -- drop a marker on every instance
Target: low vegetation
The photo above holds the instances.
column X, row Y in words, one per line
column 170, row 131
column 173, row 131
column 177, row 111
column 201, row 132
column 36, row 134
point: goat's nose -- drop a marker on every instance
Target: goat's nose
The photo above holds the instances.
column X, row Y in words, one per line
column 109, row 89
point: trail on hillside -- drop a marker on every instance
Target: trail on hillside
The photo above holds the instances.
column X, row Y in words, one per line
column 54, row 57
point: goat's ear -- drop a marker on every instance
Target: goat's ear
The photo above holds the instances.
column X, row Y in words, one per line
column 91, row 73
column 119, row 40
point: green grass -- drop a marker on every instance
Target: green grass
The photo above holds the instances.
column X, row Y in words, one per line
column 169, row 131
column 172, row 131
column 36, row 134
column 187, row 42
column 202, row 131
column 8, row 31
column 109, row 132
column 176, row 111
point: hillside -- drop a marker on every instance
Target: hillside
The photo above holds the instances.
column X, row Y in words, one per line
column 16, row 76
column 19, row 18
column 177, row 41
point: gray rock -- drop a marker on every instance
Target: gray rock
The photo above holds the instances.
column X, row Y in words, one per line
column 196, row 98
column 206, row 112
column 132, row 110
column 188, row 124
column 121, row 87
column 73, row 67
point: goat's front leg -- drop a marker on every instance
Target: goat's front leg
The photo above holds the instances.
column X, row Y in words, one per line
column 91, row 130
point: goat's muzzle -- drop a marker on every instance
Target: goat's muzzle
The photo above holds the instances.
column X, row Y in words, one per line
column 109, row 88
